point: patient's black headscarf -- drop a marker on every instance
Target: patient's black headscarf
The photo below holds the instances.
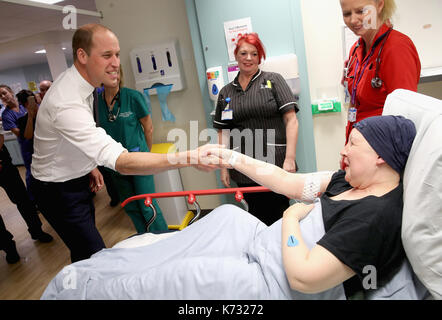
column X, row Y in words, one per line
column 390, row 136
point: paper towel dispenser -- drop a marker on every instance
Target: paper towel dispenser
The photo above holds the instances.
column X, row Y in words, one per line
column 287, row 66
column 158, row 64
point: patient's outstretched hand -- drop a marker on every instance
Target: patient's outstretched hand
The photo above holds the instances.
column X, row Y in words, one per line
column 202, row 159
column 220, row 156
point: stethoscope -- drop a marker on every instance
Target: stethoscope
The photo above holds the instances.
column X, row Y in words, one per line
column 376, row 82
column 111, row 117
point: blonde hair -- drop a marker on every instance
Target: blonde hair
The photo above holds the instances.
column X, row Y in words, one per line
column 388, row 10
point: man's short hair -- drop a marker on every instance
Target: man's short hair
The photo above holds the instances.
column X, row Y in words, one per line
column 82, row 38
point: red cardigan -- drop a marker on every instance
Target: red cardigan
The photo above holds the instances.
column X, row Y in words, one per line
column 400, row 68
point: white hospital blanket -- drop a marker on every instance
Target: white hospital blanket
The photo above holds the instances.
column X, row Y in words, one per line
column 228, row 254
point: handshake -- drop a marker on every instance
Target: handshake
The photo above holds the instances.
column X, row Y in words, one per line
column 213, row 156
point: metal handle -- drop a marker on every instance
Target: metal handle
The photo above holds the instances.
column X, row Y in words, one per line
column 154, row 216
column 191, row 200
column 245, row 205
column 198, row 212
column 148, row 202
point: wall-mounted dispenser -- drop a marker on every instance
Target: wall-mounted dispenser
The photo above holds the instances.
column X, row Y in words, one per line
column 155, row 65
column 287, row 66
column 215, row 82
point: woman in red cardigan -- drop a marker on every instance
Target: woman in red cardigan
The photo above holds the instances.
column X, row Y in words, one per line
column 381, row 61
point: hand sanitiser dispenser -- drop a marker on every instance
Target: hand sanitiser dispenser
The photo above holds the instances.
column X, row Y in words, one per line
column 215, row 82
column 157, row 70
column 155, row 65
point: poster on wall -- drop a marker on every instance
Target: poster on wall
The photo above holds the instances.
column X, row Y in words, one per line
column 233, row 30
column 32, row 86
column 232, row 71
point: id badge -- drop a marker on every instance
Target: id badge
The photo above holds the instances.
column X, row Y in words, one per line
column 227, row 114
column 352, row 114
column 347, row 93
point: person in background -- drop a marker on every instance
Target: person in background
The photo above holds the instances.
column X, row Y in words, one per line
column 15, row 109
column 26, row 125
column 7, row 244
column 44, row 87
column 14, row 187
column 381, row 61
column 258, row 100
column 2, row 108
column 124, row 114
column 68, row 145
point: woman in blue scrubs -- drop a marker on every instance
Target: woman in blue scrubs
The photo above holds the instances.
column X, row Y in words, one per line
column 14, row 111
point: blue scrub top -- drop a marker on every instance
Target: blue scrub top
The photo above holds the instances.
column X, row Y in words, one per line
column 10, row 119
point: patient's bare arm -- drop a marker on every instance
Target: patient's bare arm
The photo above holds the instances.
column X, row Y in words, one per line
column 308, row 271
column 306, row 186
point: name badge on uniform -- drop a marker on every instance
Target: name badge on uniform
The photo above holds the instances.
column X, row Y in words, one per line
column 352, row 114
column 227, row 114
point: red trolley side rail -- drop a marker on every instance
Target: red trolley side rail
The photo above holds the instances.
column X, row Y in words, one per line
column 191, row 194
column 191, row 198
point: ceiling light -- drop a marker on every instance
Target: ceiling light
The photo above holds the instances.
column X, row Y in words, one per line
column 44, row 51
column 47, row 1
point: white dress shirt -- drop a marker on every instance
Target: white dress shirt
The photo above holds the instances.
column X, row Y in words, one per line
column 67, row 143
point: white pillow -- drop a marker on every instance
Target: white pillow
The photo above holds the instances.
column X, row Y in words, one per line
column 422, row 215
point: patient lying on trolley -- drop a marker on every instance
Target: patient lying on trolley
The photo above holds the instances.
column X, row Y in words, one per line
column 352, row 227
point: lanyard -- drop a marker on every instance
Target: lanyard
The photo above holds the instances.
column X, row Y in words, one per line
column 355, row 86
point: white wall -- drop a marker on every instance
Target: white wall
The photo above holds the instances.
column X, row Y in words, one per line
column 322, row 21
column 140, row 22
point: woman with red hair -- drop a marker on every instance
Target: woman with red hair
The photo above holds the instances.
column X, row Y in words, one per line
column 256, row 113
